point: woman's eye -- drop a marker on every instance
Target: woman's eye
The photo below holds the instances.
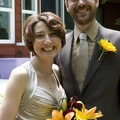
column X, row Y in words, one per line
column 53, row 34
column 39, row 36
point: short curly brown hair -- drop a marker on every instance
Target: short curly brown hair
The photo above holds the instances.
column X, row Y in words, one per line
column 52, row 21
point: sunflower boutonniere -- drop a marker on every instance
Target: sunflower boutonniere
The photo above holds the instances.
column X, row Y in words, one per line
column 106, row 46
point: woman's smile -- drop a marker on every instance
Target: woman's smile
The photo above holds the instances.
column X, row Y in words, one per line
column 49, row 49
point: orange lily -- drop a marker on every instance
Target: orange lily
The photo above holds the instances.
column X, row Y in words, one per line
column 56, row 115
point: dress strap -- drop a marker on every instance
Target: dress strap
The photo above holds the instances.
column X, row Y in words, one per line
column 56, row 76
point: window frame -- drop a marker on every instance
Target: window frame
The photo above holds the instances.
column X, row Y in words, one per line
column 11, row 10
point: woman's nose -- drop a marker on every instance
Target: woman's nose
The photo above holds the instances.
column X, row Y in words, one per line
column 48, row 40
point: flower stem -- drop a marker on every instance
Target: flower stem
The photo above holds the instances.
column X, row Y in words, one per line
column 101, row 55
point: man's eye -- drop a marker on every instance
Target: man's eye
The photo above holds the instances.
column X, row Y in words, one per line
column 73, row 0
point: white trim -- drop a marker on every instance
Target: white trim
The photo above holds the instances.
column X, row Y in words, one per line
column 62, row 11
column 57, row 7
column 40, row 5
column 20, row 44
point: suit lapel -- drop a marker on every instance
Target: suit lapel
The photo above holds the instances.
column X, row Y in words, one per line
column 67, row 61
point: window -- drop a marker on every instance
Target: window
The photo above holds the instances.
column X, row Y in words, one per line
column 48, row 5
column 29, row 7
column 7, row 21
column 55, row 6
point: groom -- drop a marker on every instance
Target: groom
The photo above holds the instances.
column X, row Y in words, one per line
column 101, row 83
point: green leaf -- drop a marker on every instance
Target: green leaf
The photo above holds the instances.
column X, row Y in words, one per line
column 104, row 1
column 117, row 21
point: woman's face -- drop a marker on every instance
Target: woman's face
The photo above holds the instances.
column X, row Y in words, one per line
column 82, row 11
column 46, row 43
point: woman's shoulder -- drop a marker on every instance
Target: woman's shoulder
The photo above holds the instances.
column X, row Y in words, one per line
column 19, row 75
column 18, row 81
column 20, row 70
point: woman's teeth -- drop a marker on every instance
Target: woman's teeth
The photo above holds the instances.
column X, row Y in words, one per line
column 48, row 49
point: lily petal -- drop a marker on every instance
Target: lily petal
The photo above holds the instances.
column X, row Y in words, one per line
column 56, row 115
column 69, row 116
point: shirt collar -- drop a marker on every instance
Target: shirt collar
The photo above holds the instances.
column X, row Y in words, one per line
column 91, row 32
column 76, row 33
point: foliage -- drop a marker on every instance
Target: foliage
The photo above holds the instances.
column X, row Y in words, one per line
column 117, row 21
column 103, row 1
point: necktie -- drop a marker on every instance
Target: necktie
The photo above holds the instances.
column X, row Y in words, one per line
column 82, row 59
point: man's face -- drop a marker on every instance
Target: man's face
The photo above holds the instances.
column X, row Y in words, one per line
column 82, row 11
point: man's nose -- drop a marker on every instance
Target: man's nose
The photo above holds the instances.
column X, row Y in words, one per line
column 81, row 2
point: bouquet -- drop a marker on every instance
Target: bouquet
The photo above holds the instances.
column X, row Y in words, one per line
column 74, row 110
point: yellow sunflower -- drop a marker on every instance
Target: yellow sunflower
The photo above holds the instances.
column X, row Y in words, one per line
column 106, row 46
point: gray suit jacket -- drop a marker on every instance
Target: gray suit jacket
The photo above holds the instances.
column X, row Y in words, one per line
column 102, row 82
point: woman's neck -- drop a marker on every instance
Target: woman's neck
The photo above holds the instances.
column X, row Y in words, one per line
column 42, row 66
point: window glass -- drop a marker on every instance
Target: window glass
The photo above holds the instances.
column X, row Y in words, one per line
column 28, row 4
column 48, row 5
column 24, row 17
column 6, row 3
column 4, row 25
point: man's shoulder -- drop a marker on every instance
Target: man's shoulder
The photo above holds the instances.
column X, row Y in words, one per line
column 108, row 30
column 69, row 36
